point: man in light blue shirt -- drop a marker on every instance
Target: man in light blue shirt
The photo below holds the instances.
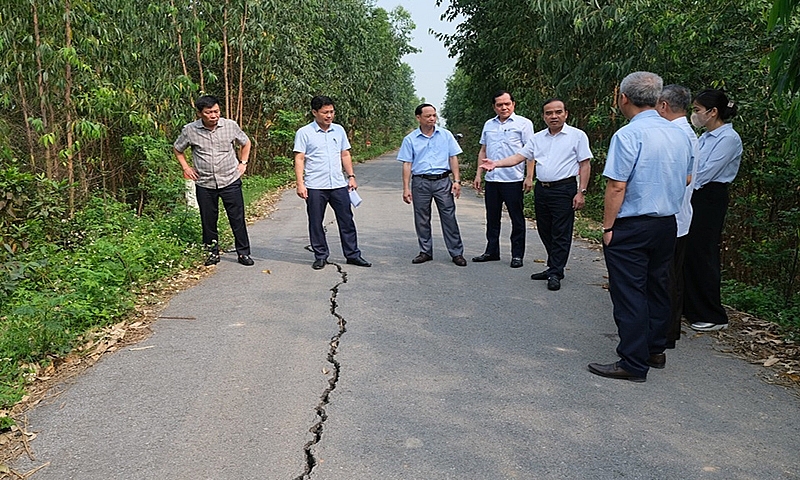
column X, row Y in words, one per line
column 321, row 151
column 429, row 155
column 646, row 168
column 503, row 136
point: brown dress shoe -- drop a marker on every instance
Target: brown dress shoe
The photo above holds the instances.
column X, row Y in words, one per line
column 613, row 370
column 422, row 258
column 657, row 360
column 460, row 260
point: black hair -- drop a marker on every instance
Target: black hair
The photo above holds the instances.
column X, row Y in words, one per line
column 500, row 93
column 418, row 110
column 712, row 98
column 554, row 99
column 206, row 101
column 320, row 101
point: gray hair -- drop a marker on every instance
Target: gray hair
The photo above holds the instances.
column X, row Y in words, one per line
column 642, row 88
column 677, row 97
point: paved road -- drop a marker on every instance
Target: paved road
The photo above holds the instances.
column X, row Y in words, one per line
column 415, row 372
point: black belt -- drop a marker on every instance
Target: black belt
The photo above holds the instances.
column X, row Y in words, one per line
column 437, row 176
column 557, row 182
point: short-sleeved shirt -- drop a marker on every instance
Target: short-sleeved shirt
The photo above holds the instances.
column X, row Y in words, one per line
column 429, row 155
column 323, row 155
column 558, row 156
column 720, row 153
column 684, row 216
column 652, row 155
column 503, row 139
column 213, row 154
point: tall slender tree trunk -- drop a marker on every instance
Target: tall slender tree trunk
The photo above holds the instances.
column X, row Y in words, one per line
column 26, row 116
column 197, row 51
column 68, row 108
column 179, row 35
column 240, row 90
column 225, row 67
column 51, row 166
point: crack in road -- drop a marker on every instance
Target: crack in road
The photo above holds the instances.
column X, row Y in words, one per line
column 324, row 399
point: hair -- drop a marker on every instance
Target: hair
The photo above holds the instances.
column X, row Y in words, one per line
column 677, row 97
column 711, row 98
column 320, row 101
column 554, row 99
column 418, row 110
column 642, row 88
column 205, row 101
column 500, row 93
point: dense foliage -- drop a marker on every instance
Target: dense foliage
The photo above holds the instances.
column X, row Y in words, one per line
column 579, row 50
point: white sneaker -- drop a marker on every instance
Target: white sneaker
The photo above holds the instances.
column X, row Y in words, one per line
column 708, row 327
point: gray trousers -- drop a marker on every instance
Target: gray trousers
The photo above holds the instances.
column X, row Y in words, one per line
column 422, row 192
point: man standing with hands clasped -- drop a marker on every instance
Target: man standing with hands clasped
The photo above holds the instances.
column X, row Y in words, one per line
column 217, row 174
column 321, row 151
column 503, row 136
column 429, row 155
column 561, row 154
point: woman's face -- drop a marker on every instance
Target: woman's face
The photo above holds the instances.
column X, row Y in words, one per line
column 701, row 115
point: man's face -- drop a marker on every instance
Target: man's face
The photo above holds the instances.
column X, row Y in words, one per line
column 427, row 118
column 210, row 116
column 504, row 106
column 555, row 115
column 324, row 116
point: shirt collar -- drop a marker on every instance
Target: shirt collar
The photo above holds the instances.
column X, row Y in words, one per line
column 317, row 128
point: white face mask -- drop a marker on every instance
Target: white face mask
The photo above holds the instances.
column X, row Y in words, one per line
column 696, row 121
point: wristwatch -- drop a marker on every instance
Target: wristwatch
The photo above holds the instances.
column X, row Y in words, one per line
column 243, row 163
column 583, row 191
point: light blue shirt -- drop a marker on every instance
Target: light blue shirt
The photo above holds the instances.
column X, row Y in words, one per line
column 684, row 216
column 503, row 139
column 429, row 155
column 323, row 151
column 558, row 156
column 719, row 157
column 652, row 156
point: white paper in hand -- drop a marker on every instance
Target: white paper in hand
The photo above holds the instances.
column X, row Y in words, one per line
column 355, row 198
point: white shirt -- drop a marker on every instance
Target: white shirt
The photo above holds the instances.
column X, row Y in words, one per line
column 684, row 216
column 557, row 156
column 503, row 139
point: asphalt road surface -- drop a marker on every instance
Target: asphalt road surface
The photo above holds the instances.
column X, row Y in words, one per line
column 401, row 371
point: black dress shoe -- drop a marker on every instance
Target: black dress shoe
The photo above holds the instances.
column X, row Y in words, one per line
column 657, row 360
column 213, row 259
column 485, row 257
column 516, row 262
column 319, row 264
column 613, row 370
column 540, row 276
column 553, row 283
column 246, row 260
column 359, row 262
column 422, row 258
column 460, row 260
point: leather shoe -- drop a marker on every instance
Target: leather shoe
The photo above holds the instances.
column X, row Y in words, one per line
column 246, row 260
column 657, row 360
column 359, row 262
column 319, row 264
column 516, row 262
column 422, row 258
column 613, row 370
column 213, row 259
column 540, row 276
column 485, row 257
column 460, row 260
column 553, row 283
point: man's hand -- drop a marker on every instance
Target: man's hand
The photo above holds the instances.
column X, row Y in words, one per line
column 407, row 195
column 607, row 237
column 241, row 167
column 456, row 189
column 578, row 201
column 476, row 184
column 190, row 173
column 302, row 191
column 487, row 164
column 527, row 185
column 352, row 184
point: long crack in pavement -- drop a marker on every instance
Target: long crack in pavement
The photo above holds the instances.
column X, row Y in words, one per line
column 324, row 399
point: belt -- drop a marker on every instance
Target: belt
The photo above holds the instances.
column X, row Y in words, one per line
column 556, row 183
column 437, row 176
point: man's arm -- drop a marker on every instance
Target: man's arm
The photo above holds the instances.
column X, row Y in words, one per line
column 244, row 155
column 615, row 194
column 476, row 184
column 347, row 165
column 299, row 168
column 530, row 170
column 188, row 172
column 584, row 170
column 456, row 190
column 407, row 182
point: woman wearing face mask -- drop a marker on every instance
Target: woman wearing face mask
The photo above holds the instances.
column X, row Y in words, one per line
column 720, row 152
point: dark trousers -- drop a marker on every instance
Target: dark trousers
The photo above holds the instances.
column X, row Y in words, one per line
column 554, row 221
column 423, row 192
column 339, row 200
column 510, row 193
column 638, row 261
column 233, row 201
column 676, row 289
column 701, row 269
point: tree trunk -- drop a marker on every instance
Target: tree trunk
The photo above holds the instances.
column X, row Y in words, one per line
column 68, row 108
column 226, row 53
column 26, row 116
column 51, row 166
column 197, row 51
column 240, row 97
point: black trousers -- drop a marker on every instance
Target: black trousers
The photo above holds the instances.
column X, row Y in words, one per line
column 638, row 261
column 495, row 195
column 701, row 269
column 233, row 201
column 676, row 289
column 555, row 219
column 339, row 200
